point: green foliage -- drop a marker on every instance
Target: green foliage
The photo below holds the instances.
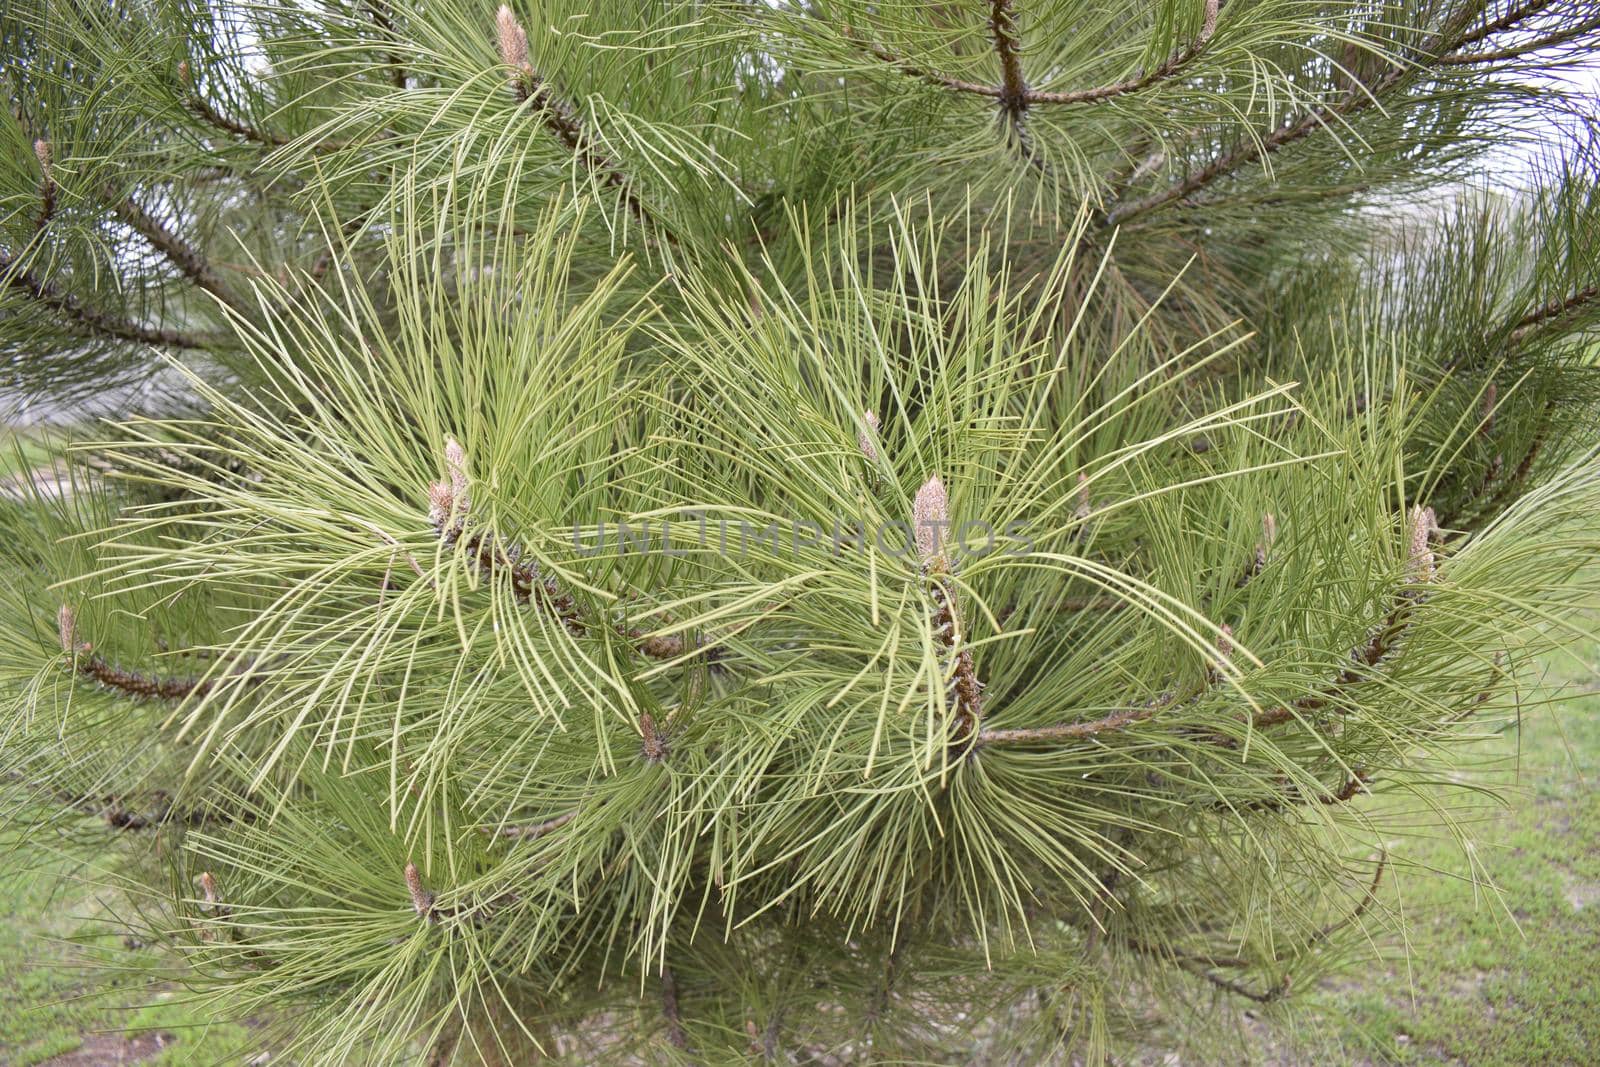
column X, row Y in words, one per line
column 514, row 604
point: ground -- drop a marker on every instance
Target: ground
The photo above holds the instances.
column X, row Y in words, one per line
column 54, row 1011
column 1500, row 970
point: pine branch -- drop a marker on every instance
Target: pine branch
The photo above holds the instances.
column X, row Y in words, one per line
column 653, row 744
column 1120, row 719
column 1553, row 310
column 1173, row 66
column 449, row 511
column 913, row 70
column 1384, row 639
column 676, row 1036
column 563, row 122
column 383, row 18
column 1200, row 963
column 1313, row 120
column 879, row 1006
column 1242, row 156
column 1293, row 796
column 93, row 320
column 1538, row 44
column 1072, row 605
column 1510, row 487
column 121, row 812
column 533, row 830
column 219, row 913
column 425, row 903
column 181, row 254
column 198, row 106
column 1013, row 94
column 450, row 504
column 1262, row 553
column 1263, row 996
column 135, row 683
column 201, row 108
column 1505, row 22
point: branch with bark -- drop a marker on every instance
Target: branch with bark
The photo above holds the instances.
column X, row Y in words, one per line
column 139, row 684
column 1330, row 113
column 450, row 513
column 93, row 320
column 1013, row 92
column 180, row 253
column 1553, row 312
column 563, row 122
column 1204, row 965
column 202, row 109
column 1382, row 641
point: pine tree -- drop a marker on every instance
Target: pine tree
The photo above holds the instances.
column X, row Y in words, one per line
column 766, row 532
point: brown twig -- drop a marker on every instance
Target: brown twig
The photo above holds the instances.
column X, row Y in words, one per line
column 1525, row 47
column 1315, row 119
column 1261, row 996
column 563, row 122
column 1514, row 483
column 1014, row 93
column 120, row 812
column 384, row 20
column 1171, row 67
column 1229, row 162
column 132, row 683
column 183, row 255
column 676, row 1035
column 450, row 512
column 202, row 109
column 94, row 320
column 1120, row 719
column 1293, row 795
column 1505, row 22
column 1422, row 527
column 530, row 831
column 1551, row 311
column 913, row 70
column 1317, row 937
column 885, row 992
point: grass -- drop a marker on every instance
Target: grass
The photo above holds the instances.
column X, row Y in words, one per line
column 1503, row 923
column 54, row 1011
column 1503, row 934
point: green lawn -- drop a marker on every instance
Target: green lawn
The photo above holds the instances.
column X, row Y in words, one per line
column 53, row 1011
column 1500, row 967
